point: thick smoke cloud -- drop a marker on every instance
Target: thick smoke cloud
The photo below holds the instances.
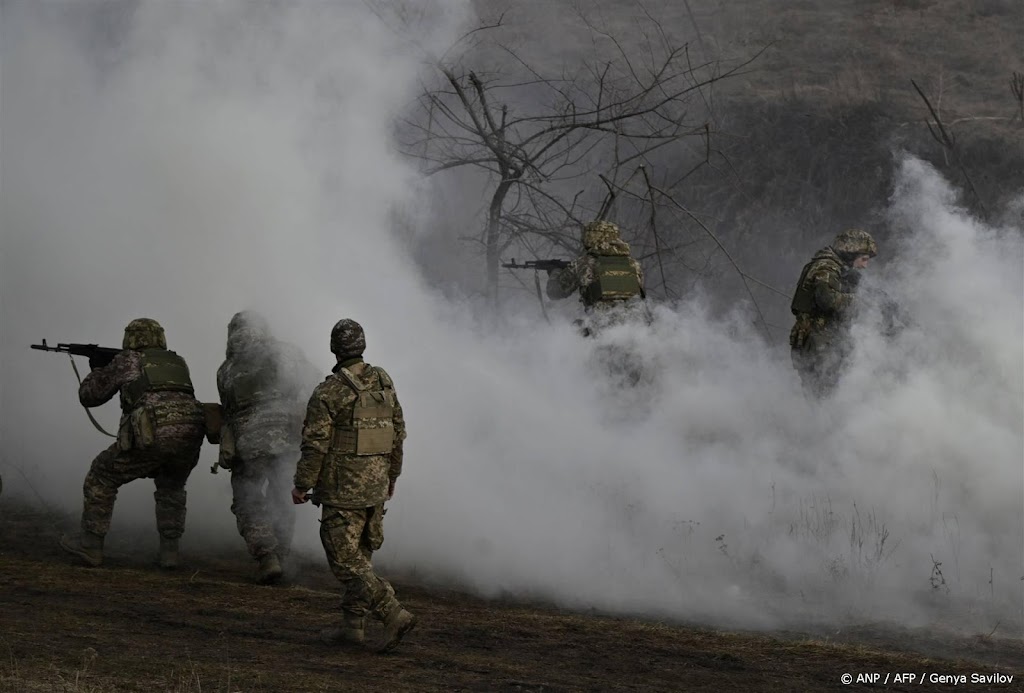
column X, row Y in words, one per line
column 184, row 169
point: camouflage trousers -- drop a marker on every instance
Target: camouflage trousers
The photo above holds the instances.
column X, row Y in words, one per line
column 168, row 462
column 350, row 537
column 819, row 370
column 262, row 504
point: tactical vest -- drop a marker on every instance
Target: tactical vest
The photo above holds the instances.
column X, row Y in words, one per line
column 256, row 385
column 162, row 371
column 371, row 428
column 803, row 298
column 615, row 279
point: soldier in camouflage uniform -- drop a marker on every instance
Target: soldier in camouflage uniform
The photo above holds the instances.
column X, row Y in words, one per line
column 823, row 304
column 159, row 437
column 262, row 384
column 608, row 280
column 352, row 442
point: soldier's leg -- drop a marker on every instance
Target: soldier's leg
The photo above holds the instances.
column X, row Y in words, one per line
column 279, row 502
column 249, row 507
column 110, row 470
column 342, row 533
column 177, row 459
column 383, row 603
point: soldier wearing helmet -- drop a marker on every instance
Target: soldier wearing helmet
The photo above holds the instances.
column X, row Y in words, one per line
column 352, row 442
column 159, row 437
column 263, row 383
column 823, row 304
column 605, row 275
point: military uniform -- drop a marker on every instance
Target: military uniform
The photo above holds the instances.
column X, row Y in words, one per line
column 159, row 437
column 610, row 283
column 261, row 383
column 352, row 443
column 823, row 305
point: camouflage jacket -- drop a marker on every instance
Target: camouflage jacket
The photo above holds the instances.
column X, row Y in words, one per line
column 338, row 479
column 581, row 273
column 262, row 389
column 823, row 302
column 178, row 415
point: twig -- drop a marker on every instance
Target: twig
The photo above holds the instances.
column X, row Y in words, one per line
column 946, row 140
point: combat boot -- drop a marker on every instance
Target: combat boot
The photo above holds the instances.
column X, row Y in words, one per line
column 87, row 546
column 397, row 623
column 349, row 633
column 270, row 569
column 168, row 553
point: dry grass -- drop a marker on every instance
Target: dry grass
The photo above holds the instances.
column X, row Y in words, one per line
column 131, row 627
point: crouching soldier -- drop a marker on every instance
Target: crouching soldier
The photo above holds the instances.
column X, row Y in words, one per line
column 159, row 437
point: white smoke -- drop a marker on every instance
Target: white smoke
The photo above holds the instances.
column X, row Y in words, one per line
column 203, row 169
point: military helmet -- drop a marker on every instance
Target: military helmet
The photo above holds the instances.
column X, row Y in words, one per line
column 598, row 233
column 854, row 242
column 144, row 333
column 247, row 329
column 348, row 338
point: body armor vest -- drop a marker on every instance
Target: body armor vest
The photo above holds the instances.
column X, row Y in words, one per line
column 371, row 428
column 162, row 371
column 803, row 299
column 615, row 279
column 254, row 386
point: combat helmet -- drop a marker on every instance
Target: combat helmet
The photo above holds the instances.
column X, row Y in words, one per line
column 348, row 339
column 144, row 333
column 246, row 329
column 599, row 233
column 853, row 242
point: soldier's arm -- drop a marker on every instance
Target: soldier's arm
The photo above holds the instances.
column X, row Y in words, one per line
column 100, row 386
column 828, row 293
column 222, row 384
column 397, row 451
column 563, row 283
column 316, row 440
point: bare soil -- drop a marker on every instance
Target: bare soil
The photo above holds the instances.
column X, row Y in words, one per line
column 129, row 626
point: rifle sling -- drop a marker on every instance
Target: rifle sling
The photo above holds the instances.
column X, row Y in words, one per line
column 87, row 412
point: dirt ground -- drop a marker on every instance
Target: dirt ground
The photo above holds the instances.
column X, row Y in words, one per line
column 130, row 627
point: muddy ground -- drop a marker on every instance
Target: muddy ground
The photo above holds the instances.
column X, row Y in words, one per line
column 206, row 627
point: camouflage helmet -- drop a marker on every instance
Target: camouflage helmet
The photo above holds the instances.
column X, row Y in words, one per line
column 246, row 329
column 854, row 242
column 598, row 233
column 348, row 338
column 144, row 333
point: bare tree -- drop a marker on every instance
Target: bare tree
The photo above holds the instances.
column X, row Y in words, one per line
column 556, row 148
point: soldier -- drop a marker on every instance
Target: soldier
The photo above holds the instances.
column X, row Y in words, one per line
column 351, row 457
column 159, row 436
column 823, row 305
column 262, row 385
column 605, row 276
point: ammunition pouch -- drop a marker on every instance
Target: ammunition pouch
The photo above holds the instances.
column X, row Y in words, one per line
column 227, row 455
column 800, row 332
column 137, row 430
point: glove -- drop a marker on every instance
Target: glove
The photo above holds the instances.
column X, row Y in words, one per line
column 96, row 362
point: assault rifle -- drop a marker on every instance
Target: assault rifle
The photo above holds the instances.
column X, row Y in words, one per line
column 98, row 356
column 537, row 264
